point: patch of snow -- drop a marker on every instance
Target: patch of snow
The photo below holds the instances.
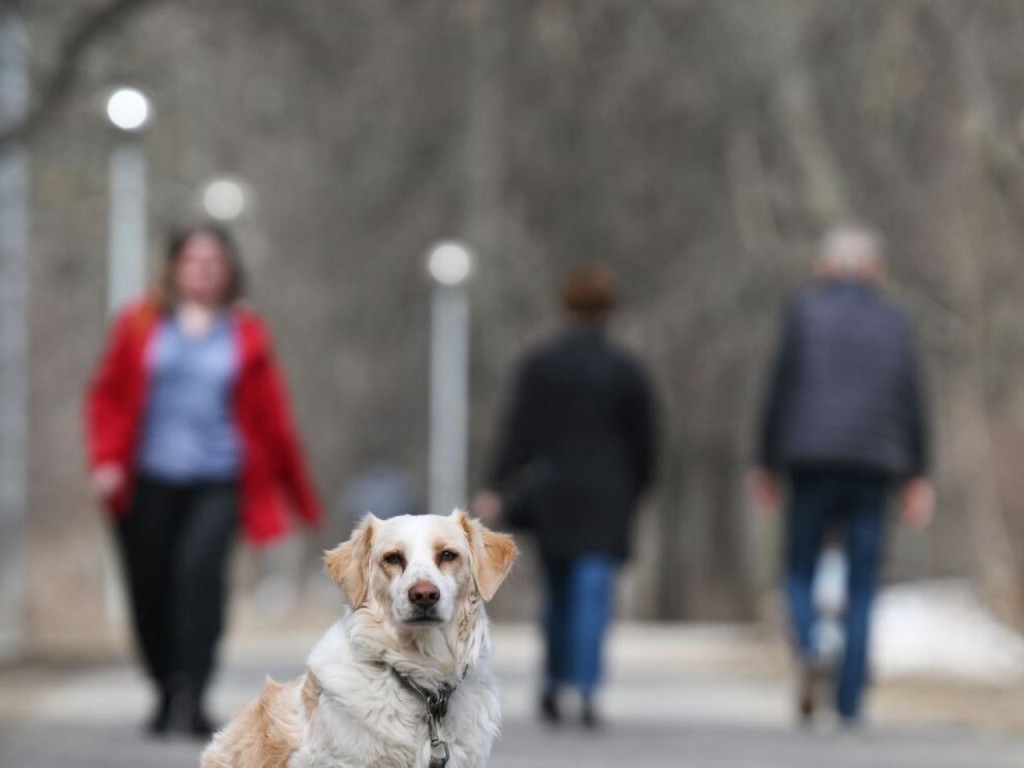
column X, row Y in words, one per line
column 942, row 629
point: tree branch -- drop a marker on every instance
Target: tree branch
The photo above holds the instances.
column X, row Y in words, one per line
column 89, row 29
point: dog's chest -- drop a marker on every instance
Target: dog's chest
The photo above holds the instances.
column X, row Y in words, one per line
column 377, row 722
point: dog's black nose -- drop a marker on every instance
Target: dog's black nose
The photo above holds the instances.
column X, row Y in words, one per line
column 424, row 594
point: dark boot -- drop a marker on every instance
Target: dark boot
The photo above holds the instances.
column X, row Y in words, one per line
column 159, row 722
column 549, row 711
column 202, row 726
column 591, row 720
column 179, row 716
column 187, row 712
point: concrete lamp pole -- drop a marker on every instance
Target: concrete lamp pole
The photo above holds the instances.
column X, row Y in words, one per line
column 14, row 323
column 449, row 265
column 129, row 112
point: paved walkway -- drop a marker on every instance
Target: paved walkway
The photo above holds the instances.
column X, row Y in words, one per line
column 694, row 697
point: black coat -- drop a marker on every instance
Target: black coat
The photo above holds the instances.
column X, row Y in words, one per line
column 579, row 432
column 846, row 390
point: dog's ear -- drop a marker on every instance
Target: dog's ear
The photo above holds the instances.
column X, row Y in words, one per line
column 349, row 563
column 491, row 554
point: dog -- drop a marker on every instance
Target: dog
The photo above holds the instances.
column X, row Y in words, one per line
column 400, row 681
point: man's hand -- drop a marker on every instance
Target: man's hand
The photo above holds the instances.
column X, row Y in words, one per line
column 766, row 489
column 487, row 507
column 107, row 480
column 917, row 505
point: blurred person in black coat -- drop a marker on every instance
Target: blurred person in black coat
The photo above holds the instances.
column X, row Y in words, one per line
column 576, row 451
column 844, row 422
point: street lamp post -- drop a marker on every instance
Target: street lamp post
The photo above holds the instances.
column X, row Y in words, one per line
column 14, row 318
column 128, row 110
column 449, row 265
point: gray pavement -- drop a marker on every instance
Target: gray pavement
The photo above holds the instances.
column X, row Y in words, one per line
column 695, row 697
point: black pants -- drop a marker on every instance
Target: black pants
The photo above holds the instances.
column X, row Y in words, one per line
column 175, row 544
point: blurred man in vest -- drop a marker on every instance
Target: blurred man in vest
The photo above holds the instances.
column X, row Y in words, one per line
column 844, row 422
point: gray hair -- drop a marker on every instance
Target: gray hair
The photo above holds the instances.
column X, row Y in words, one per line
column 852, row 250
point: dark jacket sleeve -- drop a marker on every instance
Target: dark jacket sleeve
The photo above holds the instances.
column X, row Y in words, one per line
column 779, row 383
column 640, row 426
column 915, row 405
column 515, row 442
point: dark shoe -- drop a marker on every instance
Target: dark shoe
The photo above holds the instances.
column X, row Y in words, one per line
column 160, row 721
column 186, row 714
column 202, row 727
column 549, row 711
column 591, row 720
column 180, row 707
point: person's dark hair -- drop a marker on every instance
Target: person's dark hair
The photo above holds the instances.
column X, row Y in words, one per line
column 167, row 292
column 589, row 293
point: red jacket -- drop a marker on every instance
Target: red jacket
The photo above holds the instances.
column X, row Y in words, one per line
column 273, row 470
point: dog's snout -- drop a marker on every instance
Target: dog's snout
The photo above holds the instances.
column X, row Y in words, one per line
column 424, row 594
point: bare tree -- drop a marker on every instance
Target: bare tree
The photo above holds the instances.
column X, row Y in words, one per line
column 84, row 34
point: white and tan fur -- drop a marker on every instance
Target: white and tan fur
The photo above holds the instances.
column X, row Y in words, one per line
column 350, row 710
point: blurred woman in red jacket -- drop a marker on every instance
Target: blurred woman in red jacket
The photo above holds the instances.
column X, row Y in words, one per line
column 190, row 438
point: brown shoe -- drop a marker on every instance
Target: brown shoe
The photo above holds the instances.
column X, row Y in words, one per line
column 813, row 677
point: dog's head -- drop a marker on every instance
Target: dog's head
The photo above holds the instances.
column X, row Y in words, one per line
column 420, row 568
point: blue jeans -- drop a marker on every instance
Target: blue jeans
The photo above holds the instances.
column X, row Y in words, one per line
column 852, row 505
column 578, row 611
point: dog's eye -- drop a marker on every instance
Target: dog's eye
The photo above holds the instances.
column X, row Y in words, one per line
column 394, row 558
column 447, row 556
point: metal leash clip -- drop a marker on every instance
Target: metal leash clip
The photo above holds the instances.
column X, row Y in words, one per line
column 437, row 708
column 439, row 752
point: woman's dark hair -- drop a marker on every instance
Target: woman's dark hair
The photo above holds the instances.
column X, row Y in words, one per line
column 589, row 293
column 167, row 291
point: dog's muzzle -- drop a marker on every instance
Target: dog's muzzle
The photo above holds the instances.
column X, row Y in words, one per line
column 423, row 599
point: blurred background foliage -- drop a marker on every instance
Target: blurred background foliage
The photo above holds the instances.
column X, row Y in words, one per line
column 697, row 148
